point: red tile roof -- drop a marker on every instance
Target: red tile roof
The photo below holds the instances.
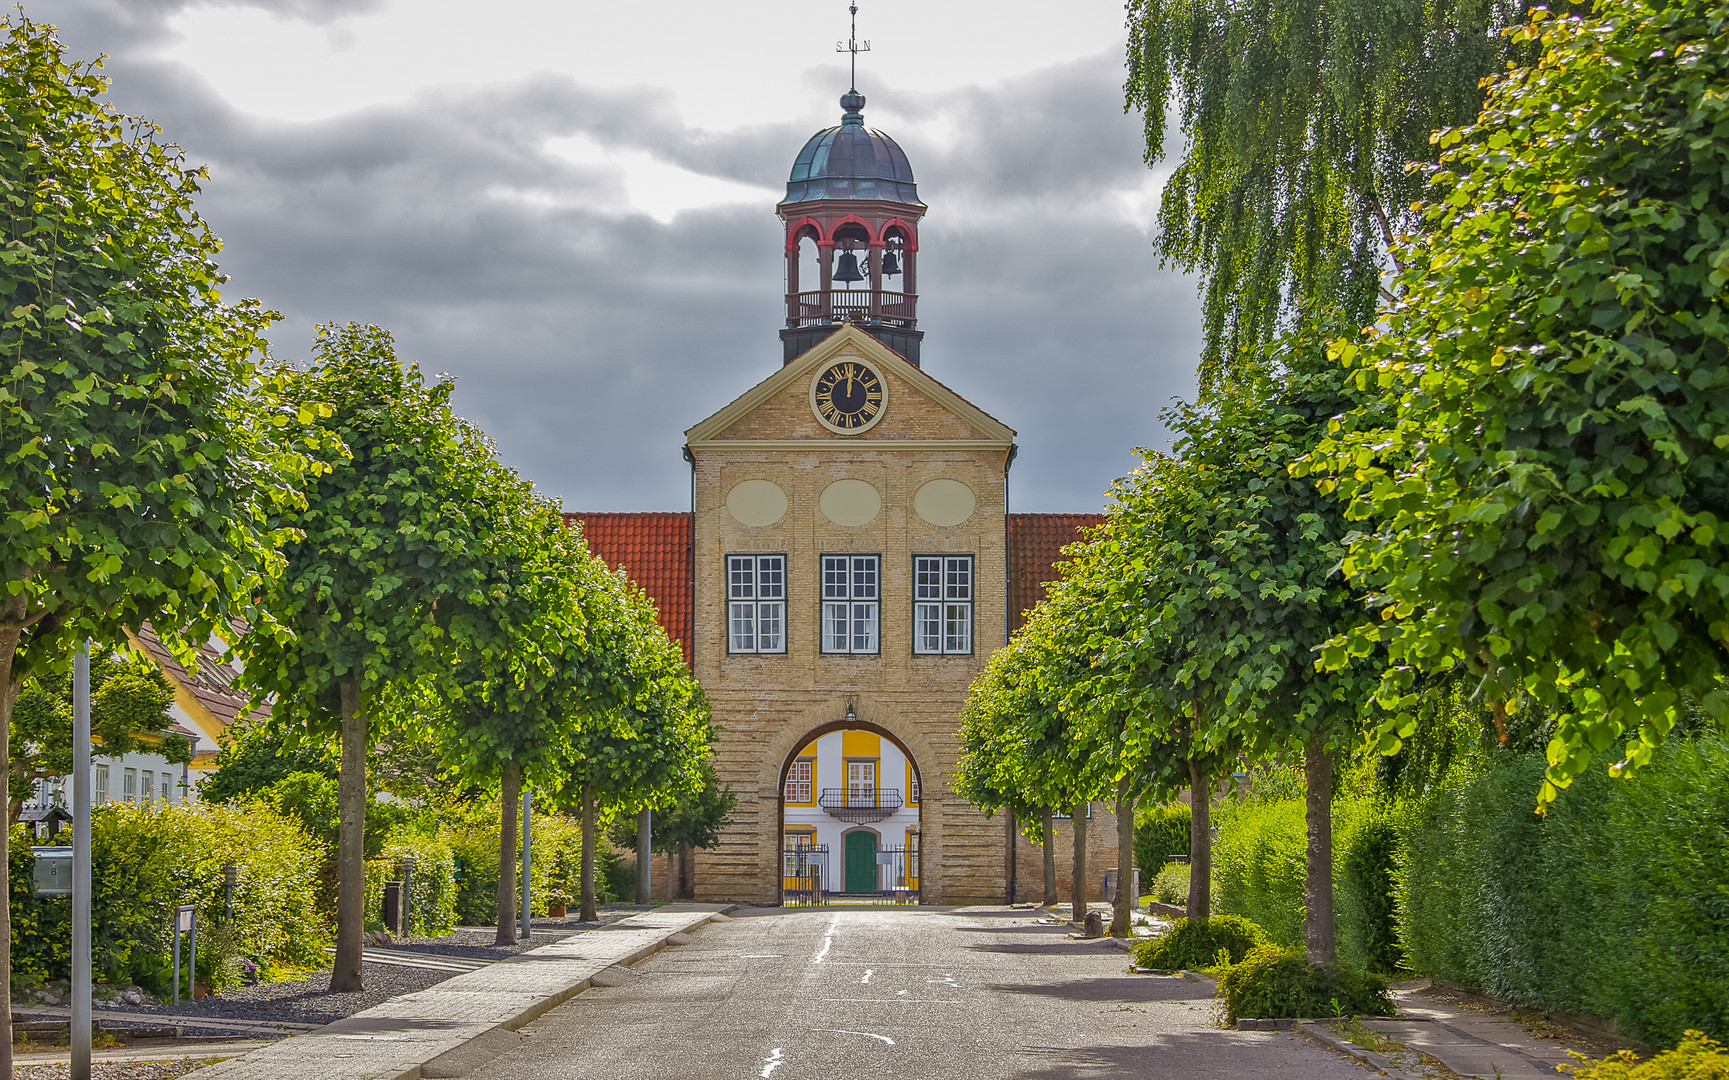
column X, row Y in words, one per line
column 1036, row 543
column 655, row 550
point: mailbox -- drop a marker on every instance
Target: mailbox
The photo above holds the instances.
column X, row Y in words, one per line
column 53, row 872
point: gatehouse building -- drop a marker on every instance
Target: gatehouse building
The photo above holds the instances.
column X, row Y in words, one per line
column 848, row 563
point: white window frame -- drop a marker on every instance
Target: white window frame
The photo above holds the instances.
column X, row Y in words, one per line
column 805, row 785
column 944, row 588
column 851, row 603
column 756, row 603
column 129, row 787
column 100, row 787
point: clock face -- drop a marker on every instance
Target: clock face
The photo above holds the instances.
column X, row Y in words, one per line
column 848, row 397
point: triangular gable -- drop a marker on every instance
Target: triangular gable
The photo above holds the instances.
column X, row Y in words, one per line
column 782, row 411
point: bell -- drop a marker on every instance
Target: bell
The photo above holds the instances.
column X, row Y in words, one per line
column 848, row 268
column 891, row 265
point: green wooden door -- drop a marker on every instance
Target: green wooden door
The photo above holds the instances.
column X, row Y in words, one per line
column 861, row 862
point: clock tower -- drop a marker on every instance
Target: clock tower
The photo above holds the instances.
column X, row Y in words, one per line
column 852, row 215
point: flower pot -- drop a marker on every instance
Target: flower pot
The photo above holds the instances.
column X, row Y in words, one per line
column 555, row 911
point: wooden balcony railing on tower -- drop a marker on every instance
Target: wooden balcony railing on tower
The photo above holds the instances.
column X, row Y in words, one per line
column 852, row 305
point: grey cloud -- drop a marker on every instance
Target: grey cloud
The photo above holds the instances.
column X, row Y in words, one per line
column 586, row 340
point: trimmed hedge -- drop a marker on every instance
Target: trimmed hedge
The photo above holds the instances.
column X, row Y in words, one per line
column 144, row 862
column 1259, row 867
column 1171, row 884
column 472, row 837
column 1614, row 903
column 1160, row 832
column 1194, row 945
column 1276, row 983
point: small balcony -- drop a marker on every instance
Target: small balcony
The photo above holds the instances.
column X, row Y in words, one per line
column 852, row 305
column 856, row 804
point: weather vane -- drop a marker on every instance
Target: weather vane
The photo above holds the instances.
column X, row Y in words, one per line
column 854, row 46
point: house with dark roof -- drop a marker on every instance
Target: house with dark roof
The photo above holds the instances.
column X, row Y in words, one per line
column 847, row 566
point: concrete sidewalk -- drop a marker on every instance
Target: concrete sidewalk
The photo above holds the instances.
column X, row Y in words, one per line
column 451, row 1028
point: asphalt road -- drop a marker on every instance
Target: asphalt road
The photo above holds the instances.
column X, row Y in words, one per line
column 919, row 994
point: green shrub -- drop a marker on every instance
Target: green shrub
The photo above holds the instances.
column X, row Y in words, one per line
column 1273, row 983
column 1171, row 884
column 1364, row 909
column 1611, row 904
column 470, row 830
column 1195, row 944
column 144, row 862
column 1160, row 832
column 432, row 888
column 1698, row 1057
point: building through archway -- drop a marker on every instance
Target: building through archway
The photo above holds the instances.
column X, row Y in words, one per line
column 850, row 811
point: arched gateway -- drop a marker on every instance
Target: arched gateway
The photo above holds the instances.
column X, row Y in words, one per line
column 851, row 805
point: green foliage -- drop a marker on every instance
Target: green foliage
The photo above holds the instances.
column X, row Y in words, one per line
column 1171, row 884
column 470, row 831
column 431, row 888
column 256, row 754
column 309, row 798
column 1698, row 1057
column 1196, row 944
column 1298, row 117
column 1259, row 861
column 1258, row 866
column 1274, row 983
column 695, row 819
column 1544, row 501
column 1610, row 904
column 144, row 862
column 1161, row 831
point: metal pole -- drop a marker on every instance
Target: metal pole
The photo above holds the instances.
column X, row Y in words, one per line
column 80, row 1035
column 176, row 958
column 527, row 854
column 644, row 854
column 192, row 962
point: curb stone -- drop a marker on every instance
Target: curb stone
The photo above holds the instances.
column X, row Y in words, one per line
column 1320, row 1034
column 460, row 1024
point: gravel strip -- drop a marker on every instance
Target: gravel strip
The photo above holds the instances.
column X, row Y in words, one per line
column 111, row 1070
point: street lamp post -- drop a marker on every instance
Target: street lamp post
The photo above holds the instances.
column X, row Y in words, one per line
column 80, row 1033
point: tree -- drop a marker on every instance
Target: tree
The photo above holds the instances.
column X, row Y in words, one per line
column 1298, row 118
column 645, row 738
column 506, row 723
column 1545, row 501
column 1015, row 752
column 129, row 702
column 386, row 581
column 693, row 823
column 143, row 447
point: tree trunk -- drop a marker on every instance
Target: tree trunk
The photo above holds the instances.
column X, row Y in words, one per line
column 510, row 791
column 1050, row 850
column 345, row 977
column 1200, row 842
column 9, row 636
column 1318, row 889
column 1123, row 908
column 589, row 914
column 1078, row 891
column 686, row 887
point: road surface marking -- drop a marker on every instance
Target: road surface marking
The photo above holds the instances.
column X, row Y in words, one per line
column 866, row 1034
column 771, row 1064
column 827, row 939
column 866, row 980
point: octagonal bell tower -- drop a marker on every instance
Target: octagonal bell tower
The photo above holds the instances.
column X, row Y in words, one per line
column 851, row 213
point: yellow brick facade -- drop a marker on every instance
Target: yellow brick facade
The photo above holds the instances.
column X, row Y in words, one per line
column 769, row 706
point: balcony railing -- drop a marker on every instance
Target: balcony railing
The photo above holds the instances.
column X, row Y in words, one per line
column 857, row 804
column 851, row 305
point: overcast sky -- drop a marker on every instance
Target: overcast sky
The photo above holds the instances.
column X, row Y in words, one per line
column 569, row 205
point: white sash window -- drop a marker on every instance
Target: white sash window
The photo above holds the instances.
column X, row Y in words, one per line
column 756, row 603
column 942, row 604
column 851, row 603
